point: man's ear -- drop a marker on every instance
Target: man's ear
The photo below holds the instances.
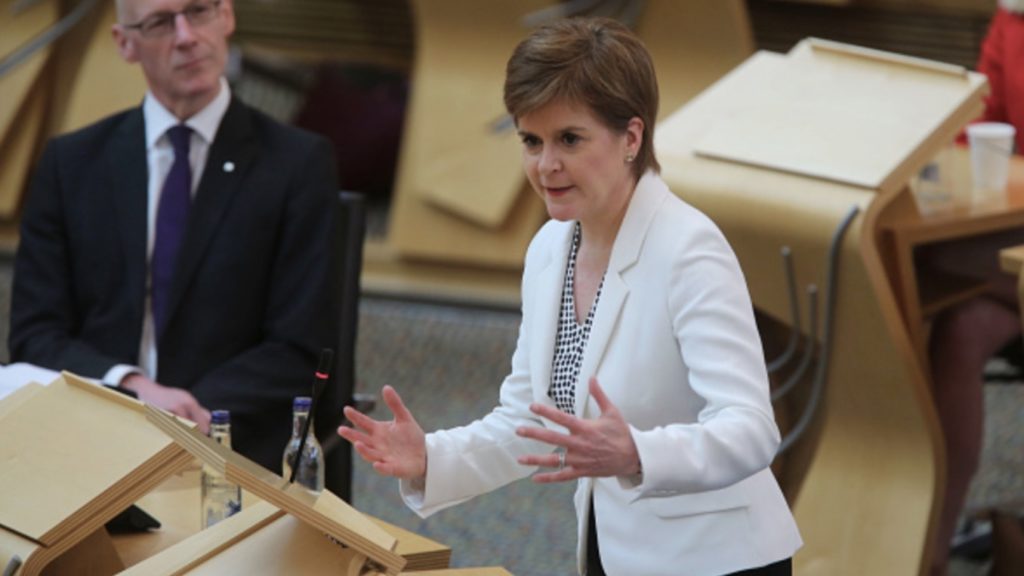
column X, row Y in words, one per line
column 125, row 45
column 229, row 17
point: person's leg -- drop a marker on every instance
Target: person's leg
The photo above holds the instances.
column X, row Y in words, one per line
column 963, row 339
column 1007, row 545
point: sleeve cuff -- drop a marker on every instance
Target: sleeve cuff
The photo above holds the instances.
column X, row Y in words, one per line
column 118, row 372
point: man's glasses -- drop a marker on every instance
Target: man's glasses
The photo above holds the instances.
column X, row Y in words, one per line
column 162, row 24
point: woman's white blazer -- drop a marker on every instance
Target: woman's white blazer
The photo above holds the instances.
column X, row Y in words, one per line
column 674, row 345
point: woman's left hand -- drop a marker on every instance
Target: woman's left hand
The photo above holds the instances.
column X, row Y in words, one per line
column 599, row 447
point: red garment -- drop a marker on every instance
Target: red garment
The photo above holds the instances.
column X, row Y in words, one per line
column 1002, row 60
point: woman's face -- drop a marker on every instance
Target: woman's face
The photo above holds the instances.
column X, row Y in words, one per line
column 577, row 164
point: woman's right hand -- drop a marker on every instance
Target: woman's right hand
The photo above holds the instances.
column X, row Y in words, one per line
column 395, row 448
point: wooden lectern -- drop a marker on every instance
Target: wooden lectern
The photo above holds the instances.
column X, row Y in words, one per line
column 291, row 531
column 76, row 454
column 812, row 152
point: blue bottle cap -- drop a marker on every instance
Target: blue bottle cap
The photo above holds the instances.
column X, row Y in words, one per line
column 220, row 417
column 302, row 403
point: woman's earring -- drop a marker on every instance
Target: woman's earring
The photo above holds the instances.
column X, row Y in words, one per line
column 630, row 158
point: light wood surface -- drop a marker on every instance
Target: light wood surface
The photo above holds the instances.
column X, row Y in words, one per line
column 17, row 28
column 261, row 539
column 419, row 226
column 817, row 107
column 116, row 457
column 469, row 166
column 69, row 84
column 73, row 428
column 179, row 545
column 25, row 94
column 693, row 44
column 91, row 80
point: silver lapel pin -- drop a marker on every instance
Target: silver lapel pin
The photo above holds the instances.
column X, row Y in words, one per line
column 229, row 166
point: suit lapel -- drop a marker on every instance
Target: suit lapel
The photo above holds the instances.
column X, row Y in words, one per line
column 129, row 197
column 230, row 155
column 546, row 291
column 648, row 196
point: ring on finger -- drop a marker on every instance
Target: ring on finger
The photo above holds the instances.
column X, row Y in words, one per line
column 561, row 460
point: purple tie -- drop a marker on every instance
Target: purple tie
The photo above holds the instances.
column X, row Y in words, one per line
column 171, row 219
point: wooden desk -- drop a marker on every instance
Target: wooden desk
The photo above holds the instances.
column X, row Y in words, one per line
column 923, row 293
column 176, row 505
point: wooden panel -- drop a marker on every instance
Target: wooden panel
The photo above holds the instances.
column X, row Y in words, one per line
column 92, row 80
column 817, row 114
column 469, row 161
column 50, row 518
column 260, row 539
column 16, row 31
column 65, row 427
column 435, row 129
column 176, row 505
column 693, row 44
column 24, row 98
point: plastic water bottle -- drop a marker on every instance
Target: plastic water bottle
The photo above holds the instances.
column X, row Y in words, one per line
column 311, row 463
column 220, row 498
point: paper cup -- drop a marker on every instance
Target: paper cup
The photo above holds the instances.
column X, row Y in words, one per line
column 991, row 146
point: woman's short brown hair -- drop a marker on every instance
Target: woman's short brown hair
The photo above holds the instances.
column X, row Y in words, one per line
column 597, row 62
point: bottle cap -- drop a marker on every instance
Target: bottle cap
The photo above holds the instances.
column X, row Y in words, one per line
column 302, row 403
column 220, row 417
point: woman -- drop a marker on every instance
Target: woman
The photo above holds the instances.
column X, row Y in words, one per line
column 638, row 372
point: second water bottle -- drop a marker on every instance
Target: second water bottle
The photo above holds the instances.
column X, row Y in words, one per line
column 311, row 462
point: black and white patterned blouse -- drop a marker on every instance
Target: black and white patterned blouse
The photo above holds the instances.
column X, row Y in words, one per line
column 571, row 338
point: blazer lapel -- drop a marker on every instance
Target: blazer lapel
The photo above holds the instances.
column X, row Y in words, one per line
column 649, row 194
column 232, row 151
column 129, row 197
column 546, row 292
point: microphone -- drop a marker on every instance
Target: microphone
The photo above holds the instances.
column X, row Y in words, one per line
column 323, row 371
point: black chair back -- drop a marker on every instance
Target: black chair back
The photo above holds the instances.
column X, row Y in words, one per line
column 349, row 234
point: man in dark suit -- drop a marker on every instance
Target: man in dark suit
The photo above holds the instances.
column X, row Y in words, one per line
column 221, row 301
